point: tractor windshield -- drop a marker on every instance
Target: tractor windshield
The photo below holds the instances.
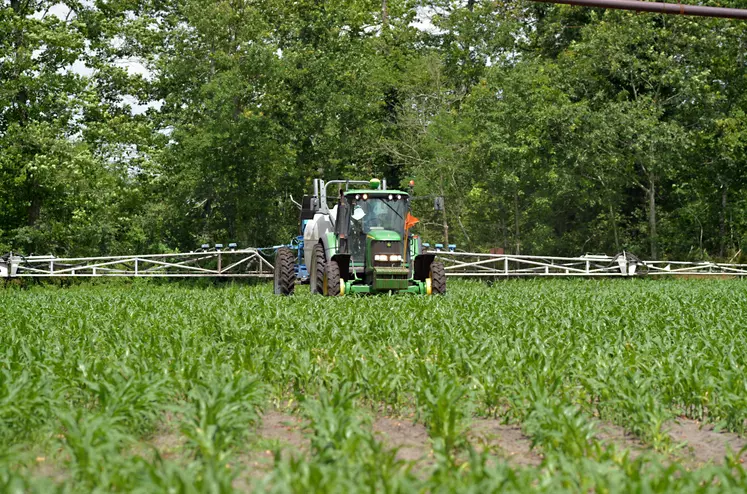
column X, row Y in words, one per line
column 374, row 213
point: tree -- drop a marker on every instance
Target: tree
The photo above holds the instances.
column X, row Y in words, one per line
column 524, row 121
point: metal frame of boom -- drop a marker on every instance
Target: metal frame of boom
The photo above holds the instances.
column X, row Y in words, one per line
column 243, row 263
column 251, row 263
column 479, row 265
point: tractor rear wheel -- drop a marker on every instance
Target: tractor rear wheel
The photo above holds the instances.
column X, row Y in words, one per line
column 285, row 272
column 438, row 278
column 332, row 279
column 318, row 263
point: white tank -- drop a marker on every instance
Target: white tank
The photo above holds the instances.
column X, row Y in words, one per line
column 8, row 268
column 315, row 229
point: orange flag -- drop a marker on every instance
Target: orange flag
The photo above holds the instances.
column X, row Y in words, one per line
column 410, row 221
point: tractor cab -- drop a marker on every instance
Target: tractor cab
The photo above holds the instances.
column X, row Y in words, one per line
column 375, row 219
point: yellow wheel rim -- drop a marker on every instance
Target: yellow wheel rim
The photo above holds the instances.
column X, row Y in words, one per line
column 324, row 288
column 428, row 287
column 342, row 287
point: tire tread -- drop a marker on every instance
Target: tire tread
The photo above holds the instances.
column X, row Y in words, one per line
column 333, row 279
column 317, row 276
column 438, row 279
column 285, row 272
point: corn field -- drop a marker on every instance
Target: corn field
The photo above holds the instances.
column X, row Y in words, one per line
column 533, row 385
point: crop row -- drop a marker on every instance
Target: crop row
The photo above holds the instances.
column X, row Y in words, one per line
column 93, row 370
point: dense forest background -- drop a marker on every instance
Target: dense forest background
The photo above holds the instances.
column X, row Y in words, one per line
column 157, row 125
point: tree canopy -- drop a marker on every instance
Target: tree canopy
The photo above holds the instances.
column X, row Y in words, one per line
column 149, row 126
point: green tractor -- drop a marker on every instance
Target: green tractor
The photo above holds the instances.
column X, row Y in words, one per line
column 361, row 245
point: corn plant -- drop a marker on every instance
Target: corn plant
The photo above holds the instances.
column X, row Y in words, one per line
column 220, row 413
column 442, row 404
column 94, row 378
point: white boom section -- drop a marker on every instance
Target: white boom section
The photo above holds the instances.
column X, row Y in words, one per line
column 469, row 264
column 249, row 263
column 244, row 263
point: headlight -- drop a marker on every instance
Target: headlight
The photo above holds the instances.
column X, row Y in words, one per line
column 365, row 197
column 381, row 257
column 395, row 258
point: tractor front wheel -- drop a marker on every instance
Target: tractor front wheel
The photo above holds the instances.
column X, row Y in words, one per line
column 438, row 279
column 332, row 279
column 285, row 272
column 318, row 263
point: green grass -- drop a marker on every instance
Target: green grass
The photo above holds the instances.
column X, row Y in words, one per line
column 89, row 373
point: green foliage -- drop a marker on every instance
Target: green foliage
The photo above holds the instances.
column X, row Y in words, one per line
column 442, row 401
column 345, row 454
column 221, row 412
column 156, row 126
column 91, row 373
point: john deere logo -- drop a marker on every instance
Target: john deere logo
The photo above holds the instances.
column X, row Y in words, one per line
column 388, row 244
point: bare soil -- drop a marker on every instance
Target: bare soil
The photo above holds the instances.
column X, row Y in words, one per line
column 702, row 444
column 284, row 432
column 278, row 431
column 506, row 441
column 168, row 441
column 611, row 433
column 284, row 428
column 51, row 469
column 410, row 439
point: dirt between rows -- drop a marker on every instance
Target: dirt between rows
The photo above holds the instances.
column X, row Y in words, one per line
column 409, row 438
column 505, row 441
column 700, row 445
column 703, row 444
column 286, row 433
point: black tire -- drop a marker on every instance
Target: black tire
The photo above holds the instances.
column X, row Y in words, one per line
column 318, row 263
column 285, row 272
column 438, row 279
column 332, row 279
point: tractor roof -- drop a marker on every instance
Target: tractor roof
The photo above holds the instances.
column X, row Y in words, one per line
column 376, row 192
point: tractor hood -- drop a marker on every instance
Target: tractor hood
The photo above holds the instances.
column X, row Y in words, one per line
column 384, row 235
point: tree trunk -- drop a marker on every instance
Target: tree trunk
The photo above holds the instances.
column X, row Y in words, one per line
column 614, row 228
column 517, row 232
column 464, row 231
column 652, row 215
column 446, row 226
column 384, row 14
column 36, row 203
column 504, row 231
column 443, row 213
column 722, row 221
